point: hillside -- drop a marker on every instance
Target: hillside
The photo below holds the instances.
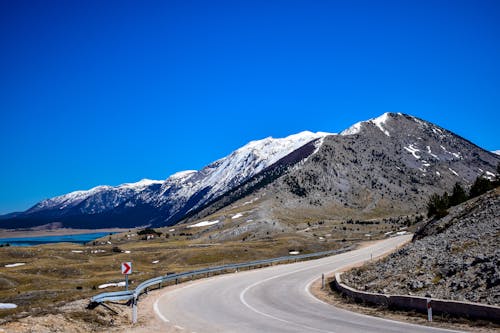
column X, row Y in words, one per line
column 455, row 258
column 374, row 177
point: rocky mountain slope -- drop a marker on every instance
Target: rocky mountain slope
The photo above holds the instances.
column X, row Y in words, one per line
column 378, row 168
column 457, row 257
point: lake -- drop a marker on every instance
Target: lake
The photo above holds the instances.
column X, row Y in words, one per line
column 30, row 241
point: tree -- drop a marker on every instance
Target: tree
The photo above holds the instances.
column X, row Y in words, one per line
column 480, row 186
column 437, row 205
column 458, row 195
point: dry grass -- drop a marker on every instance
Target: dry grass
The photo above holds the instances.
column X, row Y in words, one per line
column 54, row 275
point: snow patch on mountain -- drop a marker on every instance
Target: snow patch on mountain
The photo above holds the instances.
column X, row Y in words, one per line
column 379, row 122
column 203, row 224
column 413, row 150
column 496, row 152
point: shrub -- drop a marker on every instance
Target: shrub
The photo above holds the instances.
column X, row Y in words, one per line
column 149, row 231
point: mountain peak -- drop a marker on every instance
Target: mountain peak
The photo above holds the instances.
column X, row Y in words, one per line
column 380, row 121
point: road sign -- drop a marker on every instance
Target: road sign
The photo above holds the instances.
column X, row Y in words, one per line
column 126, row 268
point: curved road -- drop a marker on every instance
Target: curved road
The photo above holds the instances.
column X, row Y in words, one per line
column 274, row 299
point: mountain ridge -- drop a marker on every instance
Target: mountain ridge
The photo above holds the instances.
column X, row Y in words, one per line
column 189, row 188
column 419, row 155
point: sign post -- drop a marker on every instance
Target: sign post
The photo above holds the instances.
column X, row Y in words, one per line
column 126, row 270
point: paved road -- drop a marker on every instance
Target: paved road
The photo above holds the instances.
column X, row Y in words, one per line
column 273, row 299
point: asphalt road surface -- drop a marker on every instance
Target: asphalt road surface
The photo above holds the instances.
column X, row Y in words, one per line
column 274, row 299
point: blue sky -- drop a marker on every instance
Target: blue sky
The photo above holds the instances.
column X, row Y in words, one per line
column 102, row 92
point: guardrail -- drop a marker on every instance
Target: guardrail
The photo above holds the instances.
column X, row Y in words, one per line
column 133, row 295
column 420, row 304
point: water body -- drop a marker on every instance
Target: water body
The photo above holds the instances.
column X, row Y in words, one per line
column 30, row 241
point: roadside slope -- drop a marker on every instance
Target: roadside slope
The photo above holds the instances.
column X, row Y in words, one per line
column 456, row 258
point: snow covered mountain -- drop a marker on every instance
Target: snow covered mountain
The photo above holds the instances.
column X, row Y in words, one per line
column 160, row 202
column 226, row 173
column 382, row 166
column 102, row 197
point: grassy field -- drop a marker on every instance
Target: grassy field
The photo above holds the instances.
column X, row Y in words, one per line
column 56, row 273
column 53, row 275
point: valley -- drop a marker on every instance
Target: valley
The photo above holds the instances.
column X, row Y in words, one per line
column 306, row 193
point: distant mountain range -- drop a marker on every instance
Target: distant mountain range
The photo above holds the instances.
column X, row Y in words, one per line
column 380, row 167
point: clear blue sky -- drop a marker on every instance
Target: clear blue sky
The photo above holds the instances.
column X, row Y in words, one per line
column 102, row 92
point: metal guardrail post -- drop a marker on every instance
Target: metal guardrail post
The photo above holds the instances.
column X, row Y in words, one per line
column 429, row 309
column 134, row 310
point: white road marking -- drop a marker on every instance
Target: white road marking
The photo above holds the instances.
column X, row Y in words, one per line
column 242, row 299
column 155, row 305
column 307, row 289
column 158, row 313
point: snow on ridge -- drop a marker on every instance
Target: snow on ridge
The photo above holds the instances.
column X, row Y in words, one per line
column 295, row 140
column 227, row 172
column 496, row 152
column 140, row 184
column 76, row 197
column 182, row 174
column 378, row 121
column 354, row 129
column 253, row 158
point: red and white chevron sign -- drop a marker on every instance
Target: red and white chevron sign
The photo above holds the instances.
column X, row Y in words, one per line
column 126, row 268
